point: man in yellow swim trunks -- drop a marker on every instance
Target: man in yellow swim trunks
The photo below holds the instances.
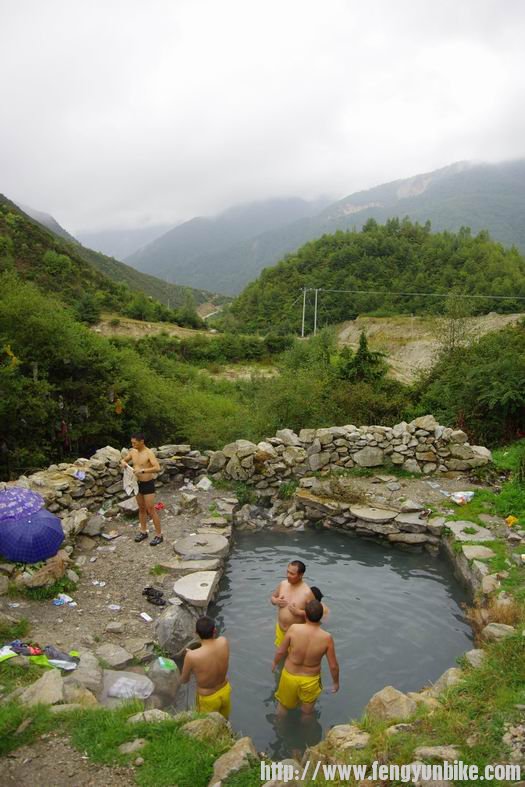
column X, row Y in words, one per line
column 209, row 664
column 290, row 596
column 304, row 646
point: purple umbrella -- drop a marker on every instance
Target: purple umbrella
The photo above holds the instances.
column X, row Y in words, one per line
column 16, row 501
column 30, row 538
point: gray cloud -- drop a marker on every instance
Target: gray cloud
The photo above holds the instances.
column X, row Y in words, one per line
column 128, row 113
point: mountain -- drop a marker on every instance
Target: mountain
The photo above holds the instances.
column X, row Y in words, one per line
column 48, row 221
column 207, row 252
column 120, row 243
column 400, row 267
column 480, row 196
column 72, row 270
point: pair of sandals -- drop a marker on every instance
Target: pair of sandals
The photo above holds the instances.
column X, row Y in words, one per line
column 154, row 596
column 154, row 541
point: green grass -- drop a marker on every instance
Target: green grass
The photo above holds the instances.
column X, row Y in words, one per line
column 12, row 715
column 158, row 571
column 170, row 756
column 12, row 676
column 63, row 585
column 287, row 489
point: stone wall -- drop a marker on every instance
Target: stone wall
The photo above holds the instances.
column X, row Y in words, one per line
column 75, row 490
column 421, row 446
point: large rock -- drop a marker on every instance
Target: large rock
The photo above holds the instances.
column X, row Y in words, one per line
column 448, row 679
column 347, row 736
column 202, row 546
column 217, row 461
column 389, row 704
column 413, row 538
column 152, row 716
column 211, row 727
column 179, row 568
column 236, row 470
column 94, row 526
column 175, row 629
column 240, row 448
column 469, row 531
column 48, row 690
column 318, row 460
column 241, row 755
column 369, row 457
column 288, row 437
column 474, row 552
column 114, row 656
column 88, row 672
column 475, row 657
column 120, row 686
column 449, row 753
column 496, row 631
column 197, row 589
column 426, row 422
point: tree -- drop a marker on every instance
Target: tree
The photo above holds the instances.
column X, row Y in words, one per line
column 365, row 366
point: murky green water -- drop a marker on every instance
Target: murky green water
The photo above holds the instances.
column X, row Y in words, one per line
column 395, row 617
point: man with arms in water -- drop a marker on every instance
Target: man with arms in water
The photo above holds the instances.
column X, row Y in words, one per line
column 291, row 597
column 304, row 647
column 209, row 664
column 145, row 466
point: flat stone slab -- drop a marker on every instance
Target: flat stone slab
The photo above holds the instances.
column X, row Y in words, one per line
column 479, row 533
column 114, row 656
column 198, row 588
column 119, row 687
column 411, row 522
column 214, row 521
column 474, row 552
column 368, row 514
column 179, row 568
column 202, row 546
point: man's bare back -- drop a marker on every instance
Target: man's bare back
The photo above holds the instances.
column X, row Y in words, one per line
column 209, row 664
column 308, row 644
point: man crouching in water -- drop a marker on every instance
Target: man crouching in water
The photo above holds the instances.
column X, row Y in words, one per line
column 304, row 646
column 209, row 664
column 291, row 596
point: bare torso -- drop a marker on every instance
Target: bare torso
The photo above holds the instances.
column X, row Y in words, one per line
column 308, row 644
column 294, row 594
column 209, row 664
column 141, row 460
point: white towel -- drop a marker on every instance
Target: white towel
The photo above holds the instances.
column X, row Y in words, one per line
column 129, row 481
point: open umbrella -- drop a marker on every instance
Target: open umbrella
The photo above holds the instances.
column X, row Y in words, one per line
column 16, row 501
column 30, row 538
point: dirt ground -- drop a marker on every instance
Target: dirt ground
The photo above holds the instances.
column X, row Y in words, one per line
column 53, row 761
column 410, row 342
column 138, row 329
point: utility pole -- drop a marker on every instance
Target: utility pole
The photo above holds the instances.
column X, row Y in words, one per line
column 315, row 312
column 304, row 310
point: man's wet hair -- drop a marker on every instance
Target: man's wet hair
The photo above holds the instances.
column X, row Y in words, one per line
column 205, row 627
column 299, row 565
column 314, row 611
column 138, row 436
column 317, row 593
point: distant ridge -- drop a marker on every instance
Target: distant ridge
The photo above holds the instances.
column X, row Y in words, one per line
column 478, row 195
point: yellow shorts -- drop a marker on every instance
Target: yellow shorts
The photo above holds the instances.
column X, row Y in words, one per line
column 279, row 635
column 218, row 701
column 297, row 689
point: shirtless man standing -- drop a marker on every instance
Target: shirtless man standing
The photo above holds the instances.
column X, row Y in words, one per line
column 145, row 466
column 209, row 664
column 291, row 596
column 304, row 647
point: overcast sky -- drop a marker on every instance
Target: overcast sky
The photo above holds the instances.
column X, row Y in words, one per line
column 119, row 114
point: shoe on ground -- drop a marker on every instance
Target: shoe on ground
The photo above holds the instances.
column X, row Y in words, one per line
column 156, row 600
column 157, row 540
column 140, row 537
column 151, row 591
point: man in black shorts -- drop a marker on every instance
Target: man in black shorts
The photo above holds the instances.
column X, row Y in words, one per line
column 145, row 466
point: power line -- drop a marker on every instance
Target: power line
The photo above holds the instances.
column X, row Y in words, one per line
column 427, row 294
